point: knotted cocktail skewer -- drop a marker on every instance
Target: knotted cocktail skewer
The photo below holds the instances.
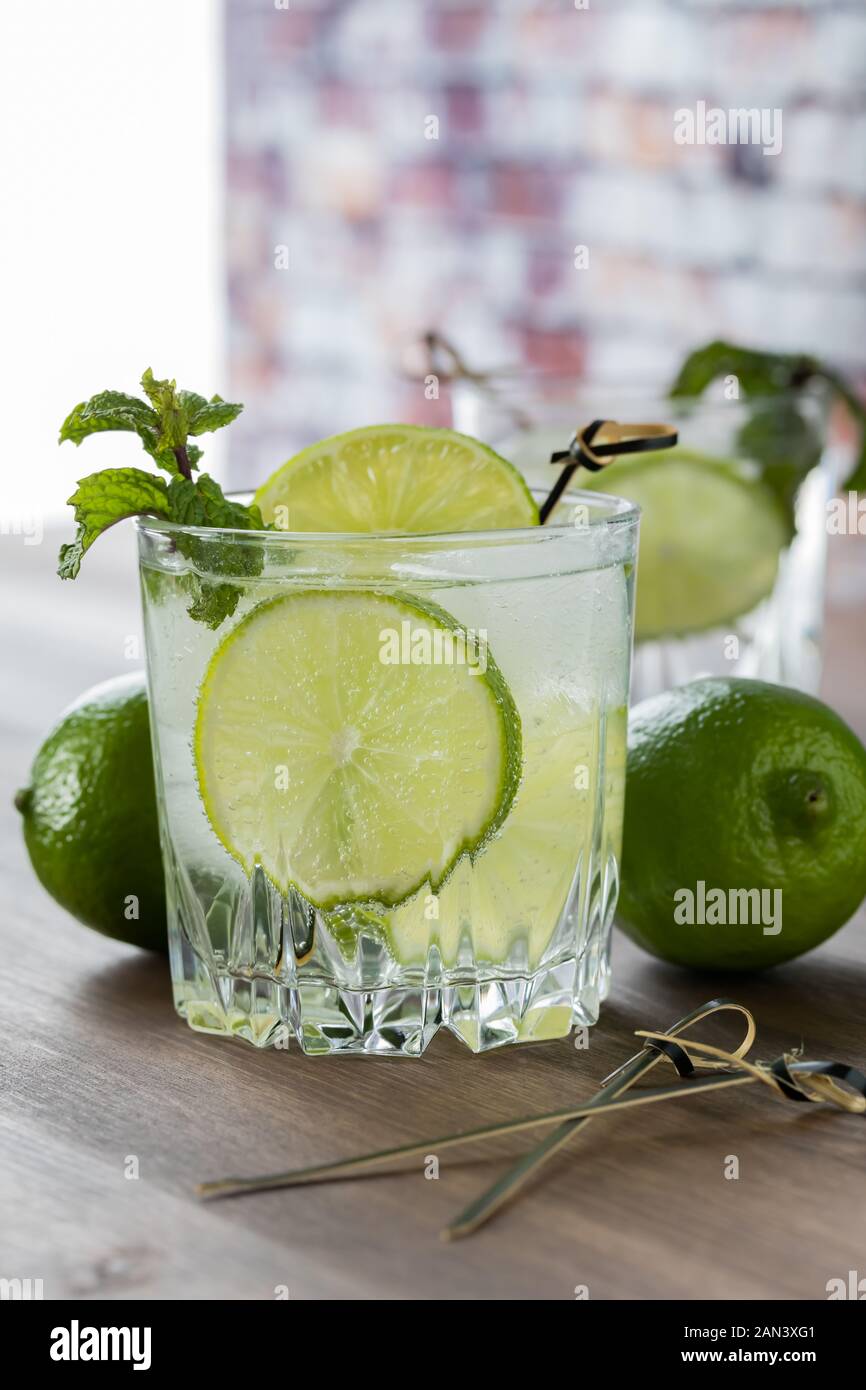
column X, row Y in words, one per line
column 599, row 444
column 482, row 1208
column 789, row 1077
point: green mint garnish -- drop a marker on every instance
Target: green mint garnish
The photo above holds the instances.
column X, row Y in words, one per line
column 164, row 423
column 107, row 497
column 202, row 503
column 778, row 435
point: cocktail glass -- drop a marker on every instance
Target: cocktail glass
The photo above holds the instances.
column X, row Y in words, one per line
column 513, row 944
column 744, row 594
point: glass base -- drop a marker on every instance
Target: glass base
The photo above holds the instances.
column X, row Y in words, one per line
column 268, row 970
column 396, row 1021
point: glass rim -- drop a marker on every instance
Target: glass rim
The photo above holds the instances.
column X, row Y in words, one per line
column 620, row 514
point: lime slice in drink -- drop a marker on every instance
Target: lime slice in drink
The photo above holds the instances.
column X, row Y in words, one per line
column 398, row 478
column 710, row 538
column 355, row 744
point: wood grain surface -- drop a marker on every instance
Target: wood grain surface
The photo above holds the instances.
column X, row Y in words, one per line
column 95, row 1067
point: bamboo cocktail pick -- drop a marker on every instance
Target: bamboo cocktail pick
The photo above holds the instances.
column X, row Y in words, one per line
column 613, row 1086
column 789, row 1076
column 617, row 1082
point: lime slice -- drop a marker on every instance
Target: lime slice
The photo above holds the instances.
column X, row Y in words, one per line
column 346, row 770
column 710, row 538
column 398, row 478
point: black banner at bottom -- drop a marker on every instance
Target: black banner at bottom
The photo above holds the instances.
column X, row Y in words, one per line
column 140, row 1337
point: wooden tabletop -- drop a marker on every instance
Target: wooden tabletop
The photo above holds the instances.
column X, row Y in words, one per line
column 95, row 1067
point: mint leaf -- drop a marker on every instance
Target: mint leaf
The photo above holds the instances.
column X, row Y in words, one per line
column 214, row 603
column 161, row 394
column 768, row 374
column 201, row 502
column 759, row 373
column 786, row 445
column 212, row 415
column 172, row 412
column 112, row 410
column 182, row 413
column 104, row 498
column 191, row 402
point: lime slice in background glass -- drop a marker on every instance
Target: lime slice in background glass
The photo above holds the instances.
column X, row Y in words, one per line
column 710, row 538
column 399, row 478
column 347, row 777
column 517, row 891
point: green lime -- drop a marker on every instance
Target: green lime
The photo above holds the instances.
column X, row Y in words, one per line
column 340, row 746
column 710, row 538
column 89, row 815
column 398, row 478
column 745, row 824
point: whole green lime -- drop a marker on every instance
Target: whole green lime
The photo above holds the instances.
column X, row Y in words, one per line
column 745, row 824
column 89, row 815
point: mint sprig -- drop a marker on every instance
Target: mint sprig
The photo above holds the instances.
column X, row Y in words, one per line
column 164, row 423
column 783, row 430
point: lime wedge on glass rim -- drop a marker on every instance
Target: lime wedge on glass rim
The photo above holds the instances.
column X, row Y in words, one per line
column 349, row 777
column 711, row 535
column 397, row 478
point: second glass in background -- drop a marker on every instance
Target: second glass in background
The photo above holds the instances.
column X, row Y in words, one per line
column 733, row 536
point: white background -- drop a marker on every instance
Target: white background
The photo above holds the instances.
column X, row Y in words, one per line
column 110, row 139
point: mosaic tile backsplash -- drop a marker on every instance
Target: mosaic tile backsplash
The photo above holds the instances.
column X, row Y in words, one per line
column 510, row 174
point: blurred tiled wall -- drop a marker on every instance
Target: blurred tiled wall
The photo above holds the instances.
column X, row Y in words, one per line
column 400, row 164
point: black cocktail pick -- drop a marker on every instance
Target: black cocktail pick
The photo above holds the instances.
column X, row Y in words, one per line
column 597, row 445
